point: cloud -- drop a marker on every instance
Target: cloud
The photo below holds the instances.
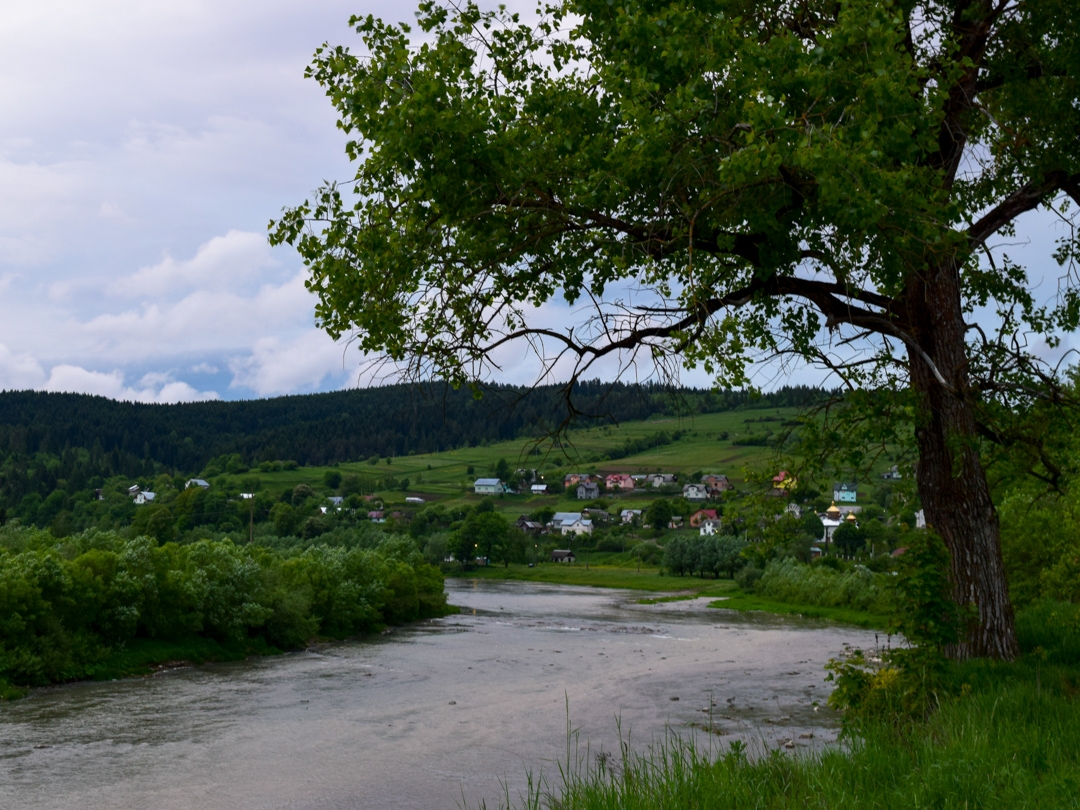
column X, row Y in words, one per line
column 278, row 367
column 204, row 321
column 155, row 387
column 225, row 262
column 19, row 371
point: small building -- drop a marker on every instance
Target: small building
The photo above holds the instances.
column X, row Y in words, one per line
column 144, row 497
column 845, row 491
column 488, row 486
column 784, row 483
column 571, row 523
column 695, row 492
column 538, row 489
column 573, row 479
column 376, row 516
column 580, row 526
column 676, row 522
column 701, row 515
column 657, row 480
column 337, row 501
column 196, row 482
column 920, row 519
column 133, row 490
column 588, row 491
column 716, row 484
column 411, row 499
column 526, row 525
column 563, row 555
column 893, row 474
column 794, row 510
column 619, row 482
column 709, row 527
column 630, row 515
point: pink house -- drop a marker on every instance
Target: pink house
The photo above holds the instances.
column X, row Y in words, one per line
column 619, row 481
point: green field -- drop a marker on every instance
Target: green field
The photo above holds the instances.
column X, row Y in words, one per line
column 445, row 476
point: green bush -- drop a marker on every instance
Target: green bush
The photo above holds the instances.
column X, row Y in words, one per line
column 791, row 581
column 67, row 604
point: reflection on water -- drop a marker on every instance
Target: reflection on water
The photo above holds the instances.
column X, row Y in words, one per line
column 431, row 716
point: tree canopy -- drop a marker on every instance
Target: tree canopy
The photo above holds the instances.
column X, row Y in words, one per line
column 711, row 181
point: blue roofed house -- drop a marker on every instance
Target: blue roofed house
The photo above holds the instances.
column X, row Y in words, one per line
column 845, row 491
column 488, row 486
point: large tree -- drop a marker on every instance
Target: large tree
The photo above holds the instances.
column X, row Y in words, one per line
column 708, row 181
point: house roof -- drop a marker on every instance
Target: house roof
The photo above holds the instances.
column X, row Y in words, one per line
column 566, row 517
column 487, row 482
column 196, row 482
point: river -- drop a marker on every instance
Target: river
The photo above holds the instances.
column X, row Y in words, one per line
column 436, row 715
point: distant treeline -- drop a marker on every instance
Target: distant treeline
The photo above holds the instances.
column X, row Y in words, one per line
column 95, row 436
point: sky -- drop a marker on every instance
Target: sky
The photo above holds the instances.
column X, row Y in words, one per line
column 144, row 147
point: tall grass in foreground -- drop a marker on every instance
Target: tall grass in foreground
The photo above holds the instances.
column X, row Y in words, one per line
column 1011, row 740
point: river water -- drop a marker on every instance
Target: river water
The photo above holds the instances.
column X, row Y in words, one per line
column 437, row 715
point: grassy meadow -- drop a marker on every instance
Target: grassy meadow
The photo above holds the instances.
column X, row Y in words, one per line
column 708, row 443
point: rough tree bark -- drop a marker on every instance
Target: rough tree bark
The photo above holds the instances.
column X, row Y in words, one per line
column 951, row 479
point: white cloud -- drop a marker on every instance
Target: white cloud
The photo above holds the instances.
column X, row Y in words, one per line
column 154, row 387
column 19, row 371
column 225, row 262
column 204, row 368
column 278, row 367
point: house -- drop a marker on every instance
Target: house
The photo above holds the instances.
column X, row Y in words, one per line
column 695, row 492
column 573, row 479
column 538, row 489
column 133, row 490
column 571, row 523
column 337, row 501
column 562, row 555
column 676, row 522
column 783, row 482
column 701, row 515
column 196, row 482
column 144, row 497
column 709, row 527
column 619, row 482
column 657, row 480
column 920, row 519
column 716, row 484
column 893, row 474
column 488, row 486
column 526, row 525
column 410, row 499
column 597, row 515
column 630, row 515
column 376, row 516
column 845, row 491
column 579, row 526
column 794, row 510
column 588, row 491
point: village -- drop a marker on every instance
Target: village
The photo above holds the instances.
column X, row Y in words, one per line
column 706, row 494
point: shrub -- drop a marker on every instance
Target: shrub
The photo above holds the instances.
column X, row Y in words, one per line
column 791, row 581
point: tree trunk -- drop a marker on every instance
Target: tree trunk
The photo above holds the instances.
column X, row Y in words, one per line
column 951, row 479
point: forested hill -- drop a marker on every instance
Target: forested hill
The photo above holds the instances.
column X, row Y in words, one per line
column 324, row 428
